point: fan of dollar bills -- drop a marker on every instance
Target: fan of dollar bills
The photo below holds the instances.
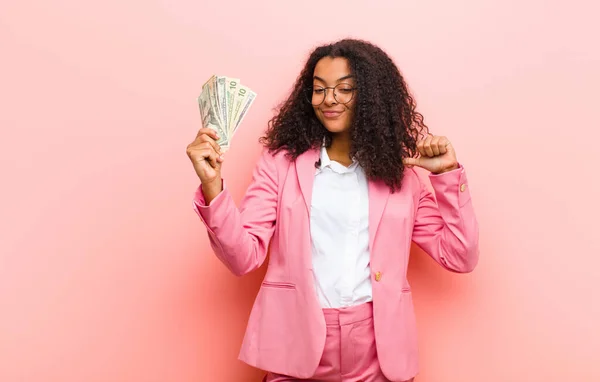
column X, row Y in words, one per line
column 223, row 103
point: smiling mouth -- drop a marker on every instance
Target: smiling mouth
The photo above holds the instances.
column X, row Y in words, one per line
column 331, row 114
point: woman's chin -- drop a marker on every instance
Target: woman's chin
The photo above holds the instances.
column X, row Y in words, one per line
column 336, row 128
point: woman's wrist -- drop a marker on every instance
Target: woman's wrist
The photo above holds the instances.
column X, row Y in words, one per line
column 451, row 168
column 212, row 189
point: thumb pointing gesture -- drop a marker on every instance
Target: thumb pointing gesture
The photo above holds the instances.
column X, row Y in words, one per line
column 436, row 155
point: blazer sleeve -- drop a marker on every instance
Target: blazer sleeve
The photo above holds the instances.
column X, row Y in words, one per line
column 240, row 237
column 448, row 230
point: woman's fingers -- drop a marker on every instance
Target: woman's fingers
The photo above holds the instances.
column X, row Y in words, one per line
column 210, row 132
column 213, row 143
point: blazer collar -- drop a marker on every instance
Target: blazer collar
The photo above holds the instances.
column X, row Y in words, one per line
column 306, row 169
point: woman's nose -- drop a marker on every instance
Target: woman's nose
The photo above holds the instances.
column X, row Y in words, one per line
column 329, row 97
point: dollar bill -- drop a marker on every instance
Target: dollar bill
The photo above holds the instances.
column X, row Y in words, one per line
column 214, row 98
column 239, row 100
column 209, row 115
column 231, row 86
column 250, row 97
column 222, row 100
column 223, row 103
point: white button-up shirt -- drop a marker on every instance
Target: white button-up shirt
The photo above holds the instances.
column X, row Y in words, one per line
column 339, row 227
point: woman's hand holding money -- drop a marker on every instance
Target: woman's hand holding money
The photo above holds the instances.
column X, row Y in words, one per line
column 206, row 156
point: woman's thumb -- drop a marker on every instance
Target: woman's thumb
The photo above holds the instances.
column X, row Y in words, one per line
column 409, row 162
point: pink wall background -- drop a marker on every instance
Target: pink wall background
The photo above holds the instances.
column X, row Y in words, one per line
column 105, row 271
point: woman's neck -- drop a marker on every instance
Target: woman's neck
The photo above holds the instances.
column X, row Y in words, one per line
column 339, row 150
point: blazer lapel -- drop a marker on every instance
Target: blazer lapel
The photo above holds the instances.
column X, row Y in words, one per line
column 378, row 196
column 305, row 169
column 378, row 191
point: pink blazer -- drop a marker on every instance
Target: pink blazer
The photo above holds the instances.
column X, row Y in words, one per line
column 286, row 328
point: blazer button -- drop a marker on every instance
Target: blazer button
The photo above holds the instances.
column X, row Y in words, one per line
column 463, row 187
column 377, row 276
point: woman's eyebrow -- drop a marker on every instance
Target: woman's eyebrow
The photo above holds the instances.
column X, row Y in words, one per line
column 339, row 79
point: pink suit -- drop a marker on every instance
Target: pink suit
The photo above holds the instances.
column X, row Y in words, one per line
column 286, row 332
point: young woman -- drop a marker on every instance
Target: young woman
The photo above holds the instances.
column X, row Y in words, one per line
column 335, row 201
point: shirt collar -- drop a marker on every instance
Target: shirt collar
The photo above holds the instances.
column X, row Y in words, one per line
column 335, row 166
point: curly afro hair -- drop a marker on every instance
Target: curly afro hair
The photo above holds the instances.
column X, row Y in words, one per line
column 385, row 127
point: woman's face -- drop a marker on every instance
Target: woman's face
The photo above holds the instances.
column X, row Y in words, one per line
column 335, row 111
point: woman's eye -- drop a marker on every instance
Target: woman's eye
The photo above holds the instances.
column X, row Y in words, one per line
column 345, row 90
column 318, row 90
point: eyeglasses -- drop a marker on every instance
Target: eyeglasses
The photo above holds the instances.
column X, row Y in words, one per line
column 342, row 93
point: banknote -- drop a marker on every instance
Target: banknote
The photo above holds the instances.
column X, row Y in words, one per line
column 223, row 103
column 249, row 99
column 222, row 100
column 238, row 104
column 231, row 86
column 210, row 88
column 209, row 115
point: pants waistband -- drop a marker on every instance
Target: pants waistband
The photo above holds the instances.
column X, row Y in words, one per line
column 348, row 315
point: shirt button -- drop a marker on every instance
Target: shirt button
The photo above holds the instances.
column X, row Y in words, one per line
column 377, row 276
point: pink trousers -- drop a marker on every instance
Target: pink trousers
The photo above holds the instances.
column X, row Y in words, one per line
column 350, row 354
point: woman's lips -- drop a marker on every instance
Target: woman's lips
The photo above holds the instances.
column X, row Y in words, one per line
column 331, row 114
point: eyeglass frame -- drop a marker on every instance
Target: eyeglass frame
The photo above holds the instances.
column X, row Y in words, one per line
column 310, row 89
